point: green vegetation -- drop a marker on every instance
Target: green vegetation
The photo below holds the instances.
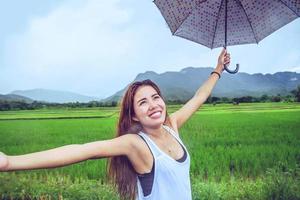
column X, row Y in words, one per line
column 22, row 105
column 7, row 105
column 296, row 93
column 245, row 151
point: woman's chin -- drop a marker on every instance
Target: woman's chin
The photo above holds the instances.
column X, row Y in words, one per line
column 157, row 124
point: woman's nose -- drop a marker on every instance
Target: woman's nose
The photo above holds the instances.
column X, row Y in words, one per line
column 152, row 105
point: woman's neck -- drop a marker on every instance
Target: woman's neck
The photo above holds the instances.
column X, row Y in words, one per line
column 157, row 133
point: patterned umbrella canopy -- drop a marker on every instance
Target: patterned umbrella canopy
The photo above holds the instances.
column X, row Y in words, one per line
column 217, row 23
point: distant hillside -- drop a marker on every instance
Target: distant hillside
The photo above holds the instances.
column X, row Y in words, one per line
column 53, row 96
column 182, row 85
column 14, row 97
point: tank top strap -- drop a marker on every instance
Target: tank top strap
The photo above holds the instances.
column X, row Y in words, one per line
column 172, row 132
column 152, row 146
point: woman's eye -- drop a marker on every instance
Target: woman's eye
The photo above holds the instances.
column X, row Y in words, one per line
column 156, row 97
column 142, row 103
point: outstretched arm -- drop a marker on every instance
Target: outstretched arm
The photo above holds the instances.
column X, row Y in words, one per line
column 179, row 117
column 67, row 155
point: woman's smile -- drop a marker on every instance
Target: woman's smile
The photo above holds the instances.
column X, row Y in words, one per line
column 155, row 115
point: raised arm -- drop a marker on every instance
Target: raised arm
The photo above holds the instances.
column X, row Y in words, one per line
column 179, row 117
column 67, row 155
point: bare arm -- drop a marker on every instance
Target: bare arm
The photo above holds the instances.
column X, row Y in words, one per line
column 179, row 117
column 67, row 155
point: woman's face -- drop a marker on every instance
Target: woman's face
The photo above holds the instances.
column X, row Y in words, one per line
column 149, row 107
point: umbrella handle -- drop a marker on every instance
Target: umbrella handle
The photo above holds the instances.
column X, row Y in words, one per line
column 232, row 71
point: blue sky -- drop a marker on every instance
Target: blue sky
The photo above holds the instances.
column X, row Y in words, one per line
column 96, row 47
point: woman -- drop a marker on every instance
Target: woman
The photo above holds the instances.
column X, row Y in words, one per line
column 147, row 158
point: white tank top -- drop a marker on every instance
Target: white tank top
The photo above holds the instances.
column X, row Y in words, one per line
column 171, row 178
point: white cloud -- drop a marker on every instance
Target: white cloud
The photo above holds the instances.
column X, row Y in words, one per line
column 290, row 61
column 75, row 35
column 79, row 41
column 293, row 69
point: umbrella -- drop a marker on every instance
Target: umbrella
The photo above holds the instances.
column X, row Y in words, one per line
column 217, row 23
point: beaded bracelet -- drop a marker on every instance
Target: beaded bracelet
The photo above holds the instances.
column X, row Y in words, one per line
column 214, row 72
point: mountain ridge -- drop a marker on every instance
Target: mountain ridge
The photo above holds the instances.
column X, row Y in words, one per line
column 180, row 85
column 54, row 96
column 189, row 79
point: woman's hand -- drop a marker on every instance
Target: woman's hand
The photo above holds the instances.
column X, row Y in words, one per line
column 224, row 59
column 3, row 162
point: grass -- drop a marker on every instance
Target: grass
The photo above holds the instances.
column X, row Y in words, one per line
column 233, row 150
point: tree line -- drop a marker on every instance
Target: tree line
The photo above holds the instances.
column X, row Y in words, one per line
column 294, row 96
column 22, row 105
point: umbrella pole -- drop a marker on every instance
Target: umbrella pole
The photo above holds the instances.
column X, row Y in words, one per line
column 226, row 66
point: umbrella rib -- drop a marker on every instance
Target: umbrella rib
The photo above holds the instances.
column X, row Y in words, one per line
column 185, row 18
column 289, row 7
column 212, row 44
column 248, row 20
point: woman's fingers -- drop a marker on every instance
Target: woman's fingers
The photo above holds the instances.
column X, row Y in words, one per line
column 226, row 62
column 227, row 58
column 224, row 57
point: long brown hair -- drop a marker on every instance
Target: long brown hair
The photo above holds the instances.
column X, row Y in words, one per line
column 120, row 169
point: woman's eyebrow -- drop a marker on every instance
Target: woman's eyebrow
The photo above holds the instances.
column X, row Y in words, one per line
column 154, row 95
column 145, row 98
column 141, row 100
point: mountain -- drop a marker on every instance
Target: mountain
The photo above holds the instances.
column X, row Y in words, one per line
column 14, row 97
column 53, row 96
column 182, row 85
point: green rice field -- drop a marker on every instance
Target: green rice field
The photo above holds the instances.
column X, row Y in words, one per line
column 246, row 151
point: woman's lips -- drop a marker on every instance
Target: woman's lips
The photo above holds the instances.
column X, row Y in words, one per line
column 155, row 115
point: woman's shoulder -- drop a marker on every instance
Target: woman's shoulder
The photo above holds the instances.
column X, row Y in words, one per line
column 135, row 140
column 170, row 123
